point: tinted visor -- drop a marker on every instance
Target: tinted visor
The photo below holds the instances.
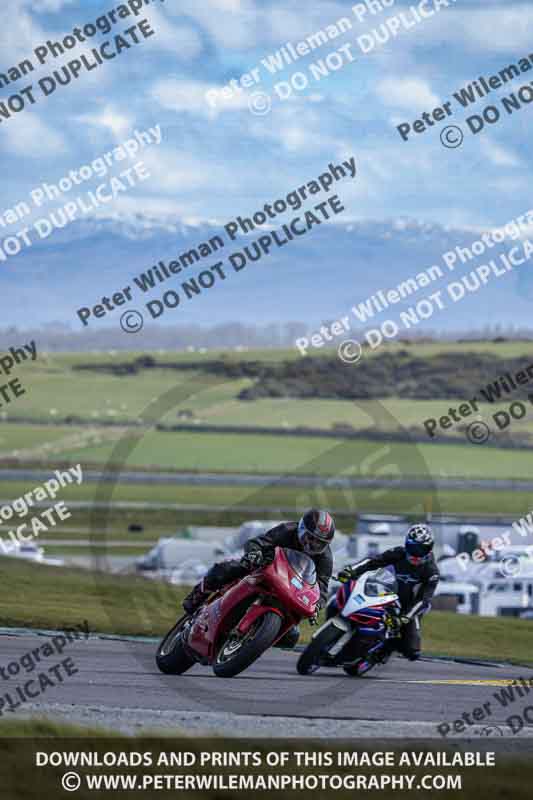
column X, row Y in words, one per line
column 418, row 549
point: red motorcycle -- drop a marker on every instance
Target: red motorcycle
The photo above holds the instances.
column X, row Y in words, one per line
column 237, row 624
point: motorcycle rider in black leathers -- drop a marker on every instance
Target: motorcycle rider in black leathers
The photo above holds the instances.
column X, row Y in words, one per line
column 312, row 535
column 417, row 575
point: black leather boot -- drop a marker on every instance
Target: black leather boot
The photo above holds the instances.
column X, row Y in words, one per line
column 195, row 598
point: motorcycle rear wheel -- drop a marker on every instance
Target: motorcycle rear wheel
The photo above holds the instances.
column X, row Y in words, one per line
column 309, row 661
column 172, row 657
column 235, row 655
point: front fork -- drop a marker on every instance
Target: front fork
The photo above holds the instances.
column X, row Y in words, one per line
column 345, row 634
column 257, row 609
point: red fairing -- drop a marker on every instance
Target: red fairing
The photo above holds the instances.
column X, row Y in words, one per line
column 278, row 577
column 269, row 589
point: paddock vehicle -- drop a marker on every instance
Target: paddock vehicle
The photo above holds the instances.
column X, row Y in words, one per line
column 237, row 624
column 362, row 618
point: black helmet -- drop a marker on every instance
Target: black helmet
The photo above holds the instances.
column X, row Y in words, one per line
column 316, row 530
column 419, row 543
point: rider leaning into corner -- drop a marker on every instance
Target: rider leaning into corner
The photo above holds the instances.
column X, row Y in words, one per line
column 417, row 575
column 312, row 535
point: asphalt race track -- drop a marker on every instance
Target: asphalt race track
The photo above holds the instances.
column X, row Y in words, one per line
column 117, row 685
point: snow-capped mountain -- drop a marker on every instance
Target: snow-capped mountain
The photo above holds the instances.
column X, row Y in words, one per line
column 312, row 278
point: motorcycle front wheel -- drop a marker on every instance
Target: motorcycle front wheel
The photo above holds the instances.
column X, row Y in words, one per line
column 309, row 661
column 237, row 652
column 172, row 657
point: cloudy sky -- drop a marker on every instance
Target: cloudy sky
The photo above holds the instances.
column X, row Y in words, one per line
column 216, row 159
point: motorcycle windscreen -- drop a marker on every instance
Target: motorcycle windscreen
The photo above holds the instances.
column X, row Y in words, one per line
column 303, row 566
column 381, row 582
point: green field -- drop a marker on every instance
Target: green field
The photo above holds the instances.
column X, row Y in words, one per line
column 300, row 455
column 254, row 453
column 230, row 505
column 57, row 392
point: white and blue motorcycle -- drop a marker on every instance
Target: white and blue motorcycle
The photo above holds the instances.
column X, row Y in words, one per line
column 363, row 619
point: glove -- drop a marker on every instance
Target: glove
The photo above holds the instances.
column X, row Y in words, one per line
column 346, row 574
column 393, row 625
column 314, row 619
column 253, row 560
